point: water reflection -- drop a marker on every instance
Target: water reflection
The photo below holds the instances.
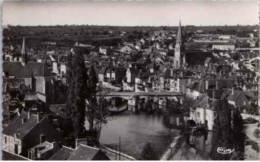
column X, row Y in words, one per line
column 202, row 143
column 135, row 130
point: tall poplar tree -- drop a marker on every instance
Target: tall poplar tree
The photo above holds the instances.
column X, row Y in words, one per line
column 76, row 93
column 92, row 107
column 227, row 132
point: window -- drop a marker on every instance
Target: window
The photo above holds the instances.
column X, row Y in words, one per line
column 16, row 148
column 198, row 114
column 5, row 139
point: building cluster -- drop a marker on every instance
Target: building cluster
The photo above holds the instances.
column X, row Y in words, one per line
column 35, row 81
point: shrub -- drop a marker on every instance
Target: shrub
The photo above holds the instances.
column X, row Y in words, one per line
column 257, row 133
column 255, row 146
column 149, row 152
column 250, row 120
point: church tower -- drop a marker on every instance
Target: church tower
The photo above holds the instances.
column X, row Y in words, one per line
column 177, row 52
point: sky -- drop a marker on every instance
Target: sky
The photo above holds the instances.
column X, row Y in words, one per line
column 133, row 13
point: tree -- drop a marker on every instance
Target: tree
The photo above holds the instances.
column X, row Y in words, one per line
column 76, row 79
column 95, row 109
column 221, row 131
column 149, row 152
column 227, row 132
column 238, row 136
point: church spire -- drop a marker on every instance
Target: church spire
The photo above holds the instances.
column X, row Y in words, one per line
column 179, row 33
column 23, row 52
column 23, row 47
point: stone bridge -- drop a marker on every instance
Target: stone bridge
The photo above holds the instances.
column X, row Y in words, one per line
column 137, row 100
column 131, row 95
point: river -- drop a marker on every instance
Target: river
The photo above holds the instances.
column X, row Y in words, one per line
column 135, row 130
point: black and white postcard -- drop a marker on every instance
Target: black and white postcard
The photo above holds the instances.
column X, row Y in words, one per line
column 130, row 80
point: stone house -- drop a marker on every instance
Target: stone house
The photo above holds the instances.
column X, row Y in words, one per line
column 36, row 76
column 26, row 131
column 131, row 73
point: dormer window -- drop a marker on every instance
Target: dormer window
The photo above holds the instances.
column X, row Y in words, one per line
column 15, row 136
column 42, row 138
column 5, row 139
column 24, row 120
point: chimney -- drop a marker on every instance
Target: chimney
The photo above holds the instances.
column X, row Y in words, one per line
column 214, row 94
column 76, row 143
column 28, row 114
column 217, row 84
column 233, row 90
column 38, row 117
column 206, row 84
column 23, row 120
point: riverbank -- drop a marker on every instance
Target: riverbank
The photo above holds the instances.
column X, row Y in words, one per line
column 185, row 152
column 251, row 152
column 174, row 147
column 181, row 150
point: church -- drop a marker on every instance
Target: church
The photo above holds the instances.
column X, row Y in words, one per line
column 179, row 60
column 35, row 77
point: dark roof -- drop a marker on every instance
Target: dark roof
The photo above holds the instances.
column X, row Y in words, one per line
column 198, row 86
column 31, row 68
column 134, row 71
column 14, row 82
column 252, row 94
column 207, row 60
column 84, row 152
column 141, row 61
column 19, row 128
column 32, row 129
column 202, row 101
column 219, row 93
column 62, row 154
column 102, row 70
column 238, row 95
column 58, row 109
column 167, row 73
column 10, row 156
column 120, row 71
column 30, row 97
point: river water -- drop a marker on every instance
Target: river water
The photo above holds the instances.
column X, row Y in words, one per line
column 135, row 130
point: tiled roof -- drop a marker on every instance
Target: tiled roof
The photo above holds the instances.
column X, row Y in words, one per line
column 31, row 68
column 14, row 82
column 102, row 70
column 219, row 93
column 252, row 94
column 62, row 154
column 84, row 152
column 30, row 97
column 32, row 129
column 134, row 71
column 202, row 102
column 19, row 128
column 207, row 60
column 10, row 156
column 58, row 109
column 238, row 95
